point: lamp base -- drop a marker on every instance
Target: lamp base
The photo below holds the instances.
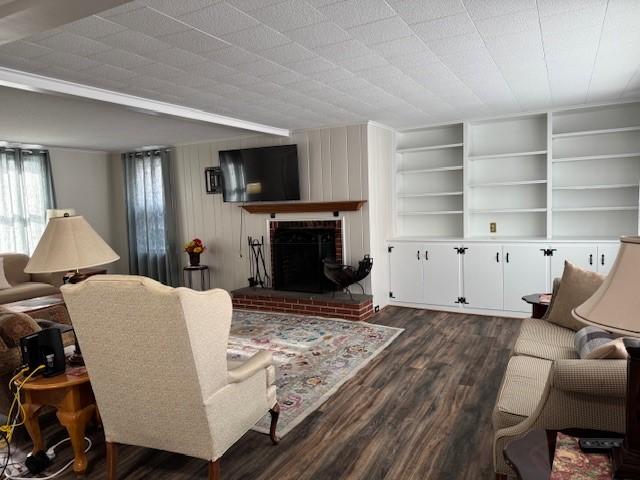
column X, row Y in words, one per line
column 626, row 463
column 74, row 277
column 76, row 359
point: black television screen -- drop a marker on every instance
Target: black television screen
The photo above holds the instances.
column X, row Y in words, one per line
column 260, row 174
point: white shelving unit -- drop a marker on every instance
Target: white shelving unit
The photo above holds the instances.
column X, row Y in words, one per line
column 429, row 181
column 572, row 173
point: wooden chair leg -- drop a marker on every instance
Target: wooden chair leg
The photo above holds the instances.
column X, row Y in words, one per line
column 275, row 414
column 214, row 470
column 112, row 461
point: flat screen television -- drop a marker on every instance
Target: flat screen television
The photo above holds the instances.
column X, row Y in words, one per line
column 260, row 174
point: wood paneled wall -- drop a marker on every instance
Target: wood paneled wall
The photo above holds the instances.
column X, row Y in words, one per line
column 333, row 165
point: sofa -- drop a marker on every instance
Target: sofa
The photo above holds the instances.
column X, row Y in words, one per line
column 23, row 285
column 546, row 385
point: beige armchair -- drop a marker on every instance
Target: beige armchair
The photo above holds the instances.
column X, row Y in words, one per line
column 157, row 361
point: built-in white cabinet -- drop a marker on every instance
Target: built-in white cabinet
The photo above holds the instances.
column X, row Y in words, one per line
column 406, row 272
column 606, row 256
column 482, row 267
column 526, row 271
column 584, row 256
column 441, row 274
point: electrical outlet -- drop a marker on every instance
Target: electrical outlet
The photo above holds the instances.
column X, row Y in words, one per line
column 493, row 228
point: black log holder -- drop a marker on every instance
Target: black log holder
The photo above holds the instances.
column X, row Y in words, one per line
column 344, row 276
column 258, row 267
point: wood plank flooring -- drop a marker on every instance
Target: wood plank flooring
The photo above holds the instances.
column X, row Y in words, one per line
column 420, row 410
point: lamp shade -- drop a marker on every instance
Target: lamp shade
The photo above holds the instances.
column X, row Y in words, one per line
column 616, row 304
column 69, row 243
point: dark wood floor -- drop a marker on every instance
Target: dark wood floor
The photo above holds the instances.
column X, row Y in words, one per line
column 420, row 410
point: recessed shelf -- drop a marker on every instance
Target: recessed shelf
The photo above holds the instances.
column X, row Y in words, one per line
column 596, row 132
column 432, row 147
column 431, row 170
column 595, row 209
column 509, row 210
column 507, row 155
column 435, row 194
column 434, row 212
column 597, row 157
column 597, row 187
column 507, row 184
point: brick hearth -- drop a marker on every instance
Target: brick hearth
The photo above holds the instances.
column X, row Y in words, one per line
column 319, row 304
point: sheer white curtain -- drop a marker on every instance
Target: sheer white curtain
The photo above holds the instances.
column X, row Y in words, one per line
column 26, row 192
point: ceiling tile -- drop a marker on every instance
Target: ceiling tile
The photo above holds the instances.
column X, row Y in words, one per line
column 94, row 27
column 311, row 65
column 159, row 71
column 554, row 7
column 399, row 47
column 72, row 43
column 177, row 57
column 212, row 69
column 516, row 45
column 219, row 19
column 417, row 11
column 24, row 49
column 175, row 9
column 284, row 78
column 414, row 60
column 194, row 41
column 350, row 13
column 586, row 17
column 285, row 54
column 150, row 22
column 124, row 8
column 257, row 38
column 19, row 63
column 231, row 55
column 110, row 72
column 249, row 5
column 343, row 50
column 317, row 35
column 69, row 61
column 493, row 8
column 461, row 43
column 260, row 67
column 450, row 26
column 363, row 62
column 522, row 21
column 288, row 15
column 381, row 31
column 134, row 42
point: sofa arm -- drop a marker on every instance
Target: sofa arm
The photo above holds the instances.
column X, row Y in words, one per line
column 603, row 378
column 260, row 361
column 56, row 279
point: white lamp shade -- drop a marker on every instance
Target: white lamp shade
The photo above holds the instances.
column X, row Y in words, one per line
column 616, row 304
column 69, row 243
column 59, row 212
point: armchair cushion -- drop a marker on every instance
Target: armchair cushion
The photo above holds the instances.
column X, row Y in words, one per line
column 595, row 378
column 576, row 286
column 521, row 390
column 541, row 339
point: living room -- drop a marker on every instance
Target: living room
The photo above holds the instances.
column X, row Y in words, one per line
column 319, row 239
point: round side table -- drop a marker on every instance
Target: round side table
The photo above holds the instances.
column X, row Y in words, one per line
column 187, row 276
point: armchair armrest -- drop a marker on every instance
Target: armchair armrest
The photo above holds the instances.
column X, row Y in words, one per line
column 603, row 378
column 259, row 361
column 56, row 279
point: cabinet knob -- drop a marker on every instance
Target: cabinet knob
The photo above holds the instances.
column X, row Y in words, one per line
column 498, row 257
column 602, row 259
column 591, row 259
column 418, row 254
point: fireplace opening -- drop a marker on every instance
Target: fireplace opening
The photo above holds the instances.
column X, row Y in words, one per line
column 297, row 251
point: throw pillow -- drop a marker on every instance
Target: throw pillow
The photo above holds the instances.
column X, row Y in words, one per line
column 14, row 326
column 594, row 343
column 576, row 286
column 4, row 283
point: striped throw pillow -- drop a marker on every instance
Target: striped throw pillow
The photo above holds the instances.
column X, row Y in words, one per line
column 595, row 343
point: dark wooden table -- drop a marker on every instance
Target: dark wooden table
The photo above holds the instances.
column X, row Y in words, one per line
column 539, row 308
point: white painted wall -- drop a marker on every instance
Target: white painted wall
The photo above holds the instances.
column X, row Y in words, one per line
column 83, row 180
column 333, row 165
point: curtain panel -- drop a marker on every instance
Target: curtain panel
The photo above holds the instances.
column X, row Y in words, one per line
column 151, row 216
column 26, row 192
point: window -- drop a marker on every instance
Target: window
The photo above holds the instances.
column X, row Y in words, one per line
column 26, row 192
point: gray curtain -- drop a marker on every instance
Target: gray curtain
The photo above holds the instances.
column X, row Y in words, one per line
column 26, row 192
column 151, row 216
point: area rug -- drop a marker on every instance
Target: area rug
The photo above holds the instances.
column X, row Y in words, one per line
column 313, row 356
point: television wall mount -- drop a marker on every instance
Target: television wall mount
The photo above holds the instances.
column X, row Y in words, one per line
column 213, row 180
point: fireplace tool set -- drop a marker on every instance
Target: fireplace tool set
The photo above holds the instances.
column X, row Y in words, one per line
column 258, row 268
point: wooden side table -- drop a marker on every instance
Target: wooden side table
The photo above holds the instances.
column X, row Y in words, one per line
column 538, row 306
column 73, row 398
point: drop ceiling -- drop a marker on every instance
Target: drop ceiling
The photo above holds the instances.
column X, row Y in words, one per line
column 308, row 63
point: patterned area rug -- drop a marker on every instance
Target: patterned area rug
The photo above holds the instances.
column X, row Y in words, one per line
column 313, row 356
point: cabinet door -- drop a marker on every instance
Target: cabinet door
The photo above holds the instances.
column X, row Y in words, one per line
column 584, row 256
column 441, row 274
column 405, row 272
column 525, row 271
column 606, row 256
column 482, row 274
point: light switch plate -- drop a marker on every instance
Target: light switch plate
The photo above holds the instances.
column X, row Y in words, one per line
column 493, row 228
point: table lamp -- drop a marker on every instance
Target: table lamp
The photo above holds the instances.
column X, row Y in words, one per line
column 615, row 307
column 69, row 244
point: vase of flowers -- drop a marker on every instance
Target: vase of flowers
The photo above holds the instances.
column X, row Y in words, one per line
column 194, row 248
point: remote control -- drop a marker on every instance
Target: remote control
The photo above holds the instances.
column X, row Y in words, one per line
column 599, row 445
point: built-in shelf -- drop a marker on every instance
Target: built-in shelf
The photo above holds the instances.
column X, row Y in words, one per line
column 584, row 133
column 596, row 187
column 431, row 170
column 507, row 155
column 596, row 209
column 428, row 194
column 431, row 147
column 507, row 184
column 434, row 212
column 509, row 210
column 304, row 207
column 611, row 156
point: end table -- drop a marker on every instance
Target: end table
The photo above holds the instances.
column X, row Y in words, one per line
column 187, row 276
column 538, row 305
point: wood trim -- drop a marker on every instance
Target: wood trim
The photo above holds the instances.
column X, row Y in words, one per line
column 304, row 207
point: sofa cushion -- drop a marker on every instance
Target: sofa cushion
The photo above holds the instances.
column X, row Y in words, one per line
column 541, row 339
column 24, row 291
column 14, row 326
column 521, row 390
column 4, row 283
column 14, row 265
column 576, row 286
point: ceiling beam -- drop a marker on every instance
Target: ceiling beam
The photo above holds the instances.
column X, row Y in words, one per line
column 23, row 18
column 38, row 83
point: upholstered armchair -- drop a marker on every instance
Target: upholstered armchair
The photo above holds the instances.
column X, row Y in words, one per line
column 157, row 361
